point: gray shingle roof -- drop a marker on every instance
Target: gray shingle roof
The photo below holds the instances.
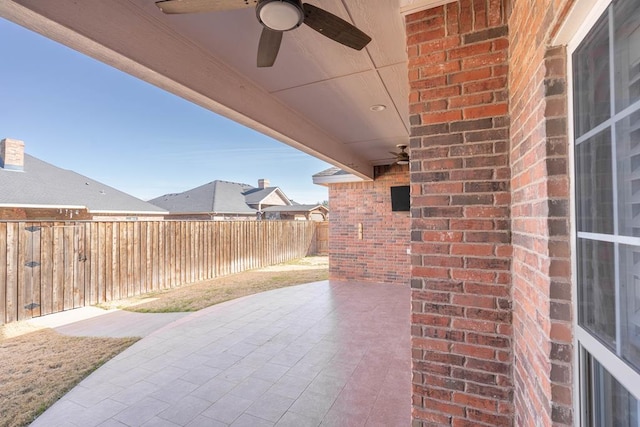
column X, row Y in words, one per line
column 214, row 197
column 42, row 184
column 256, row 195
column 217, row 197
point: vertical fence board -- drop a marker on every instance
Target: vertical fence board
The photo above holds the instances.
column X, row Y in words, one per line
column 12, row 272
column 195, row 251
column 201, row 251
column 135, row 259
column 171, row 254
column 159, row 255
column 153, row 254
column 109, row 259
column 3, row 273
column 91, row 265
column 131, row 286
column 79, row 265
column 99, row 261
column 122, row 260
column 36, row 272
column 57, row 275
column 188, row 259
column 115, row 262
column 143, row 257
column 23, row 272
column 183, row 252
column 147, row 256
column 68, row 251
column 46, row 269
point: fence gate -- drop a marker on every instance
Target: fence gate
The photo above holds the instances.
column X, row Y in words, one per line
column 43, row 269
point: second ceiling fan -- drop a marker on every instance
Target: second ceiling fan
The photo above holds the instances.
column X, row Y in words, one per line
column 276, row 17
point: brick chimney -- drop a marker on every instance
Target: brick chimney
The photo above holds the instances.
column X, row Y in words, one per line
column 12, row 154
column 263, row 183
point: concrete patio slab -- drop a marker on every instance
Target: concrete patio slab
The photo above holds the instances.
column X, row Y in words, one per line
column 325, row 353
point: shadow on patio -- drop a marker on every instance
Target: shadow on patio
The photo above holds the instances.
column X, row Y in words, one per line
column 325, row 353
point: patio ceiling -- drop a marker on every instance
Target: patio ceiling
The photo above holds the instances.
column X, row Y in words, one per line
column 317, row 97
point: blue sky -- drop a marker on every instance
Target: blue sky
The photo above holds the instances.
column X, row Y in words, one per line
column 80, row 114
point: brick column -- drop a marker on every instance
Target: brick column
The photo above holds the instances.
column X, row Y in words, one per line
column 460, row 228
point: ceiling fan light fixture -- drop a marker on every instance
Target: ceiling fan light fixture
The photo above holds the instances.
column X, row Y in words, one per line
column 280, row 15
column 402, row 158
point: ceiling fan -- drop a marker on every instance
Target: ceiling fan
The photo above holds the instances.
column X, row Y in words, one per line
column 277, row 16
column 402, row 158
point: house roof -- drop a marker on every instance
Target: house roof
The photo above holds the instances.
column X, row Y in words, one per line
column 257, row 195
column 267, row 196
column 213, row 197
column 41, row 184
column 221, row 197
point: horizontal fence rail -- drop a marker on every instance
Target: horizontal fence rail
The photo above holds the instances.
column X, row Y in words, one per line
column 48, row 267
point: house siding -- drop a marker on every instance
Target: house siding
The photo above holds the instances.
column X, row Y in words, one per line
column 381, row 255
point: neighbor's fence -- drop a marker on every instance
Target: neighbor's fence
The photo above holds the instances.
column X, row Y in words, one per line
column 48, row 267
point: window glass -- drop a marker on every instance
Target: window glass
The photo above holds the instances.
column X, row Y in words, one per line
column 594, row 185
column 611, row 404
column 592, row 95
column 628, row 158
column 606, row 70
column 627, row 52
column 630, row 304
column 596, row 290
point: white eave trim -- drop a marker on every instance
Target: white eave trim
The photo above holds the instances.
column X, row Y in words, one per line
column 336, row 179
column 580, row 12
column 407, row 7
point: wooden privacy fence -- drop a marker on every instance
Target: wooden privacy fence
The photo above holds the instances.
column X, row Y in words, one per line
column 48, row 267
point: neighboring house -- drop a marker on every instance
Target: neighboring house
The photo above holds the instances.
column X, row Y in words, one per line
column 31, row 189
column 298, row 212
column 223, row 200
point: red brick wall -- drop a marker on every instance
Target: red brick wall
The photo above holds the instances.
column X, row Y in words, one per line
column 460, row 231
column 460, row 228
column 540, row 217
column 381, row 255
column 43, row 214
column 490, row 204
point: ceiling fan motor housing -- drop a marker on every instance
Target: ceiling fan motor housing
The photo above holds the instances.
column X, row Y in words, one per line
column 280, row 15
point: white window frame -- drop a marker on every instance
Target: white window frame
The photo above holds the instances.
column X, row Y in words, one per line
column 574, row 33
